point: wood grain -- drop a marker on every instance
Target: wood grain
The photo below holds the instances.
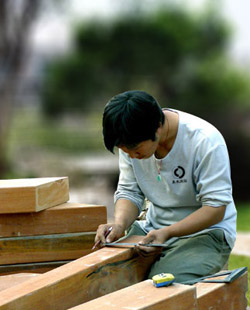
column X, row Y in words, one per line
column 32, row 195
column 111, row 269
column 40, row 267
column 14, row 250
column 217, row 296
column 14, row 279
column 65, row 218
column 214, row 296
column 86, row 278
column 144, row 296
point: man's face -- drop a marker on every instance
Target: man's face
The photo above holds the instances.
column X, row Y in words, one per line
column 143, row 150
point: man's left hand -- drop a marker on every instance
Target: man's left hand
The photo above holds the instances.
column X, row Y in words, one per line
column 154, row 236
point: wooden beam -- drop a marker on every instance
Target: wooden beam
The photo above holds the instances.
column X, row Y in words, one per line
column 144, row 296
column 41, row 267
column 32, row 195
column 66, row 218
column 105, row 271
column 86, row 278
column 14, row 279
column 217, row 296
column 201, row 296
column 15, row 250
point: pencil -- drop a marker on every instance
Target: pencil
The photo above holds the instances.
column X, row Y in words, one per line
column 105, row 235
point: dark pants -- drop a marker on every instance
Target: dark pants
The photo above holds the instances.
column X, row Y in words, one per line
column 192, row 257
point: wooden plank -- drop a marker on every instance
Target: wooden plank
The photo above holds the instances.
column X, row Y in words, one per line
column 217, row 296
column 214, row 296
column 41, row 267
column 14, row 250
column 144, row 296
column 86, row 278
column 66, row 218
column 14, row 279
column 32, row 195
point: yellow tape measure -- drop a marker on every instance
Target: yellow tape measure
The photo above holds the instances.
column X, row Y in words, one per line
column 163, row 279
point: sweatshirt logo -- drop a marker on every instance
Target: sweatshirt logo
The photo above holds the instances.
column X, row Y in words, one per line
column 178, row 174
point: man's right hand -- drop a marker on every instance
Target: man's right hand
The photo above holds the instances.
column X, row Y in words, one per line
column 116, row 233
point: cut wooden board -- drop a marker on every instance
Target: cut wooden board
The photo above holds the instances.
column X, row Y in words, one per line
column 214, row 296
column 65, row 218
column 218, row 296
column 14, row 279
column 31, row 267
column 14, row 250
column 100, row 273
column 86, row 278
column 32, row 195
column 144, row 296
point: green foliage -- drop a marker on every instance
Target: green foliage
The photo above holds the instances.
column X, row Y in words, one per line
column 178, row 57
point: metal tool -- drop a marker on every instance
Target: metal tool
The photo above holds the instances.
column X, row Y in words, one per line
column 231, row 276
column 163, row 245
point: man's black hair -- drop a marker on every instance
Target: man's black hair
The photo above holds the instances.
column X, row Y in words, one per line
column 130, row 118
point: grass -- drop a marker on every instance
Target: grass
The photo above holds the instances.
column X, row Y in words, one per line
column 237, row 261
column 243, row 222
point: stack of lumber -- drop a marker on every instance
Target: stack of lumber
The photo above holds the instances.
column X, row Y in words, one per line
column 38, row 232
column 113, row 278
column 40, row 229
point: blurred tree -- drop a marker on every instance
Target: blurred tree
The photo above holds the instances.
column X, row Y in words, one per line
column 178, row 57
column 16, row 18
column 16, row 21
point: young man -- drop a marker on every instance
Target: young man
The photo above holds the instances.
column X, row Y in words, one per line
column 180, row 164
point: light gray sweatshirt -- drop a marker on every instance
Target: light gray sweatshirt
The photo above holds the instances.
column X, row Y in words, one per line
column 194, row 173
